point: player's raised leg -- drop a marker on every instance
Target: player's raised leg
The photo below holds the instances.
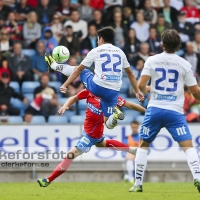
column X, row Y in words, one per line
column 65, row 69
column 116, row 145
column 61, row 167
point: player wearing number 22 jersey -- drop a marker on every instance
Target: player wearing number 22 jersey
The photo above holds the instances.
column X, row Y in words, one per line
column 109, row 62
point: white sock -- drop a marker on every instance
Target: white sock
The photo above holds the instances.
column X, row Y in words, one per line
column 111, row 122
column 65, row 69
column 193, row 162
column 130, row 168
column 140, row 165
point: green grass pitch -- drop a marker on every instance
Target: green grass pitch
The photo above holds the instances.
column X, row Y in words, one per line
column 97, row 191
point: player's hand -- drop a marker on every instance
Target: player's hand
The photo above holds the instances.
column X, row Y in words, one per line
column 140, row 96
column 63, row 109
column 63, row 89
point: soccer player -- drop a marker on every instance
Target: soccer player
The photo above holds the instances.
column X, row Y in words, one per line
column 92, row 133
column 106, row 83
column 168, row 73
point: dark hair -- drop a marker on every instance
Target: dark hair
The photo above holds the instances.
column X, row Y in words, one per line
column 75, row 10
column 135, row 122
column 96, row 10
column 69, row 26
column 171, row 40
column 107, row 33
column 160, row 15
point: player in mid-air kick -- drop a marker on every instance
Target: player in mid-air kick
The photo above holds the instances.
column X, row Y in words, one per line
column 168, row 73
column 92, row 133
column 109, row 62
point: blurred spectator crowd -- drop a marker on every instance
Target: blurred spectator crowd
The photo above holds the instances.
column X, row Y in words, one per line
column 28, row 28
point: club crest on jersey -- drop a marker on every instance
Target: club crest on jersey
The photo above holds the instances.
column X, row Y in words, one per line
column 59, row 67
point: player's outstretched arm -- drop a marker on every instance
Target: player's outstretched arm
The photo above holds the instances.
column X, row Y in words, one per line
column 195, row 92
column 142, row 84
column 68, row 103
column 134, row 106
column 72, row 77
column 133, row 82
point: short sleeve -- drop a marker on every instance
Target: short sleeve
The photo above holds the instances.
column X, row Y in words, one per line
column 83, row 94
column 125, row 62
column 147, row 68
column 190, row 79
column 89, row 59
column 120, row 102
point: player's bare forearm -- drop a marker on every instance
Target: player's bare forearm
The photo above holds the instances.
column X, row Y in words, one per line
column 134, row 106
column 195, row 92
column 132, row 79
column 142, row 84
column 74, row 75
column 70, row 101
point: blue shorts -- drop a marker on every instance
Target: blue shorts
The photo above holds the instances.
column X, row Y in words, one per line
column 157, row 118
column 108, row 97
column 86, row 142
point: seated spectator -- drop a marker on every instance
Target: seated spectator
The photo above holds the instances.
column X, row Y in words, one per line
column 154, row 42
column 97, row 19
column 6, row 93
column 127, row 17
column 192, row 13
column 21, row 11
column 4, row 10
column 31, row 30
column 64, row 10
column 143, row 53
column 132, row 45
column 141, row 27
column 184, row 28
column 39, row 65
column 161, row 24
column 138, row 68
column 90, row 41
column 85, row 10
column 157, row 3
column 97, row 4
column 79, row 26
column 196, row 42
column 6, row 44
column 76, row 86
column 19, row 65
column 13, row 28
column 120, row 30
column 48, row 106
column 45, row 12
column 150, row 15
column 193, row 58
column 71, row 41
column 169, row 12
column 28, row 117
column 49, row 40
column 57, row 27
column 4, row 67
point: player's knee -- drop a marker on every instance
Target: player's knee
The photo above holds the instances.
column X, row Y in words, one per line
column 144, row 144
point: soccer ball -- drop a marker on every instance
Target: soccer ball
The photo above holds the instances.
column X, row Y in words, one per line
column 61, row 54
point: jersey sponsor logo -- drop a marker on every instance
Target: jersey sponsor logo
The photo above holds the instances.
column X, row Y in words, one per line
column 181, row 131
column 59, row 67
column 145, row 130
column 110, row 78
column 85, row 140
column 93, row 109
column 163, row 97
